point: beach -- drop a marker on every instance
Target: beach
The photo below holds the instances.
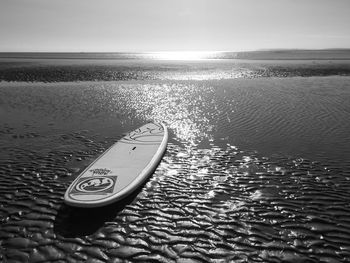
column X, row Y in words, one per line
column 257, row 167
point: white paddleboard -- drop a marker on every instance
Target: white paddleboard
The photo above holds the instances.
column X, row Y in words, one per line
column 121, row 169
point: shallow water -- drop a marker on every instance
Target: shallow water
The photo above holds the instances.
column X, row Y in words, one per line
column 256, row 170
column 65, row 70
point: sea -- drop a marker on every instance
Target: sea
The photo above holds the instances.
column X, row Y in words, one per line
column 257, row 167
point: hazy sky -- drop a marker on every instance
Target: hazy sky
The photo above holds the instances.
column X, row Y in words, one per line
column 177, row 25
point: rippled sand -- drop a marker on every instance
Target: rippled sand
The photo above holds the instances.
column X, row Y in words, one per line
column 256, row 170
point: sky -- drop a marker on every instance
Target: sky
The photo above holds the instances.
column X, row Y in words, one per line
column 177, row 25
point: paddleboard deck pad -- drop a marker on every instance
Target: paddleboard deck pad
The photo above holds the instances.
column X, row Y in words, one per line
column 121, row 169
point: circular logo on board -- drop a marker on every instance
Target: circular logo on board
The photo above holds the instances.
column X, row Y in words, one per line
column 94, row 184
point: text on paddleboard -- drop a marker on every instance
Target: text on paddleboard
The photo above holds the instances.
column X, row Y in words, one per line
column 100, row 171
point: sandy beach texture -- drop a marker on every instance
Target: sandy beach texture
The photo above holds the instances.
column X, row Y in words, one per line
column 257, row 167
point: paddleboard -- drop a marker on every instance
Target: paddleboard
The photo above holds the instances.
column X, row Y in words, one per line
column 121, row 169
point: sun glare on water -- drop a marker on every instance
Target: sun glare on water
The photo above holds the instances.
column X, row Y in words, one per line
column 182, row 55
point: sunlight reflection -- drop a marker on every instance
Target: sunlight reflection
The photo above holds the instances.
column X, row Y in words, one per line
column 176, row 107
column 187, row 110
column 183, row 55
column 257, row 195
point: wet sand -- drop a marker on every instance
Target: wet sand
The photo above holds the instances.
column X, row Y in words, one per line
column 256, row 170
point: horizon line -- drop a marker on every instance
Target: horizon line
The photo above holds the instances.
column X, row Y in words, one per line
column 193, row 51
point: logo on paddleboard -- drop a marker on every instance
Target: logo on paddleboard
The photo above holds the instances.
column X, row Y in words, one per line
column 95, row 185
